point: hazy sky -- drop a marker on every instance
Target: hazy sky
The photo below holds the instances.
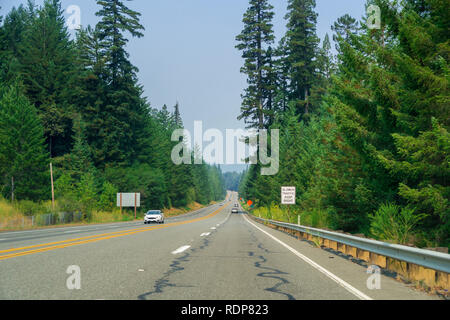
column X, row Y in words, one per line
column 188, row 55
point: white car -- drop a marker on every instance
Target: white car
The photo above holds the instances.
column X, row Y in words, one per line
column 155, row 216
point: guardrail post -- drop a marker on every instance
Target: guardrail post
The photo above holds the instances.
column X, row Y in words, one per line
column 378, row 260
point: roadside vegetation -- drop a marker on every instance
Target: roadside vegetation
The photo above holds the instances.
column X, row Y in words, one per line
column 364, row 133
column 74, row 100
column 25, row 215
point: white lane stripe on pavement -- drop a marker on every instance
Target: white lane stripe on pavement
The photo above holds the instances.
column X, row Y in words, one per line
column 335, row 278
column 181, row 249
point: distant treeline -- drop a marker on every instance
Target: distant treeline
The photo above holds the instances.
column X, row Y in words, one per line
column 232, row 180
column 364, row 134
column 77, row 103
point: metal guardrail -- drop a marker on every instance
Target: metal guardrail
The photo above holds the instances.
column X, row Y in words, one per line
column 430, row 259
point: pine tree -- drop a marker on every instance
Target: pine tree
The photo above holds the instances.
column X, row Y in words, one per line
column 124, row 111
column 116, row 19
column 80, row 157
column 325, row 69
column 281, row 70
column 253, row 41
column 47, row 66
column 89, row 51
column 177, row 115
column 90, row 92
column 23, row 157
column 12, row 35
column 392, row 83
column 326, row 60
column 270, row 87
column 302, row 46
column 343, row 28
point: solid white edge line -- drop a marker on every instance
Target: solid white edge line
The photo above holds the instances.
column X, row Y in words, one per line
column 335, row 278
column 181, row 249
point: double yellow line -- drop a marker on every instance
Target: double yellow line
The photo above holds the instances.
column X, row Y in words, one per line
column 12, row 253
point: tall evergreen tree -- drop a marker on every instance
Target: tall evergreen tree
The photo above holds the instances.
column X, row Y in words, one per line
column 177, row 115
column 91, row 90
column 116, row 19
column 392, row 83
column 282, row 84
column 343, row 28
column 124, row 111
column 23, row 157
column 326, row 59
column 81, row 159
column 254, row 40
column 302, row 45
column 47, row 67
column 12, row 35
column 102, row 134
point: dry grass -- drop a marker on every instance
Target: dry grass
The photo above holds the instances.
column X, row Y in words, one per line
column 12, row 219
column 177, row 211
column 107, row 217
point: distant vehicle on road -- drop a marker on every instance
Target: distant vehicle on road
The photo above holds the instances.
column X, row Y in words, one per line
column 155, row 216
column 234, row 210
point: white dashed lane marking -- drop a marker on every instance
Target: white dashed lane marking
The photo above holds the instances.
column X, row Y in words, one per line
column 181, row 249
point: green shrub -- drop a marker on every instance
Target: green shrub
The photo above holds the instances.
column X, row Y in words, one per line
column 87, row 195
column 107, row 199
column 30, row 208
column 392, row 223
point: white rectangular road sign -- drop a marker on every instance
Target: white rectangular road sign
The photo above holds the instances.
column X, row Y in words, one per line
column 128, row 200
column 288, row 195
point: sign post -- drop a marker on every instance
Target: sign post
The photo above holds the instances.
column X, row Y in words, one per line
column 129, row 200
column 120, row 203
column 288, row 197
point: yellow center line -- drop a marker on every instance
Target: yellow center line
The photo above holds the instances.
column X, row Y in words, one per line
column 94, row 238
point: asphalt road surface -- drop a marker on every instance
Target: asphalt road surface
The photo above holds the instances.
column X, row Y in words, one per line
column 209, row 254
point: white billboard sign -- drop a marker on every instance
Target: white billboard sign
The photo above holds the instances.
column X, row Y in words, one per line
column 288, row 195
column 125, row 200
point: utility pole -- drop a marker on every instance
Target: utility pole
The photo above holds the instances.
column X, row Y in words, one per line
column 53, row 189
column 12, row 189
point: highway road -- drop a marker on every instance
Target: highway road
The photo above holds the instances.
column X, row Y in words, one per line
column 209, row 254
